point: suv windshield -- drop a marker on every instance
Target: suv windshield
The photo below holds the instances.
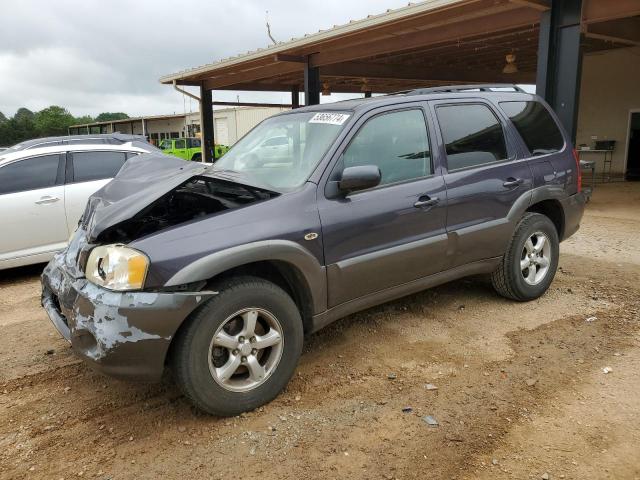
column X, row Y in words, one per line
column 283, row 151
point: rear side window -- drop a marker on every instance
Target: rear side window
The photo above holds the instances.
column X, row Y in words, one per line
column 29, row 174
column 472, row 134
column 535, row 125
column 396, row 142
column 89, row 166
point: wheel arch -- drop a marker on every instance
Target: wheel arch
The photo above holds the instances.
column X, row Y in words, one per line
column 286, row 263
column 552, row 209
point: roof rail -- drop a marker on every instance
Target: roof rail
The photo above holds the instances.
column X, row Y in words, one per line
column 483, row 87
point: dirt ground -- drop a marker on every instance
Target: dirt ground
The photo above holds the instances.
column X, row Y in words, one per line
column 521, row 391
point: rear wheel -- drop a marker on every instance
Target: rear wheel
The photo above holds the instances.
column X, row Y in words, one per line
column 197, row 157
column 530, row 262
column 240, row 350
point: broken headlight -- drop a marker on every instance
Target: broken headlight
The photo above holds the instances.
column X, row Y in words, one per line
column 117, row 267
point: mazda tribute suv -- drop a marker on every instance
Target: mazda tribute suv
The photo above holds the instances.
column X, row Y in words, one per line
column 219, row 271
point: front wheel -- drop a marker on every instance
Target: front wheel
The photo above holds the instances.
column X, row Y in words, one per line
column 240, row 349
column 530, row 262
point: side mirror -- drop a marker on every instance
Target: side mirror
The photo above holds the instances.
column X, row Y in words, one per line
column 359, row 178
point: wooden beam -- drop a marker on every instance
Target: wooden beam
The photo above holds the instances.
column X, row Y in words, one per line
column 251, row 104
column 500, row 21
column 594, row 11
column 282, row 57
column 188, row 83
column 624, row 30
column 252, row 75
column 407, row 72
column 540, row 5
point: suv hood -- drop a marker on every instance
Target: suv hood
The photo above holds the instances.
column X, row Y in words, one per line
column 165, row 191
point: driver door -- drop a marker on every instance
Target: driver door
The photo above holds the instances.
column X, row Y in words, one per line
column 394, row 233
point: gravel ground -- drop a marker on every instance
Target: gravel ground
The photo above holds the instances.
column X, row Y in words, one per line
column 521, row 391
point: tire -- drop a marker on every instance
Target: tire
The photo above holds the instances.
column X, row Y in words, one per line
column 196, row 359
column 197, row 157
column 512, row 279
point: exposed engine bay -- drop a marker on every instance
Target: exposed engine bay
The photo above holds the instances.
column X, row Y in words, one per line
column 198, row 197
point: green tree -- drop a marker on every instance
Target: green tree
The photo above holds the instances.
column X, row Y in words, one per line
column 84, row 119
column 53, row 120
column 17, row 129
column 3, row 119
column 24, row 115
column 109, row 116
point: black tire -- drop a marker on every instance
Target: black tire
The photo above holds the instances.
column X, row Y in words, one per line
column 508, row 279
column 197, row 157
column 191, row 350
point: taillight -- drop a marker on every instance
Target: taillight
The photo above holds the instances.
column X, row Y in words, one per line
column 578, row 170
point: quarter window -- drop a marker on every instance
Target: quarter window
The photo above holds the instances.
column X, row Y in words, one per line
column 88, row 166
column 395, row 142
column 472, row 135
column 535, row 125
column 29, row 174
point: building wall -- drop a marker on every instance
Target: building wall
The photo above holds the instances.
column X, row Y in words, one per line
column 610, row 88
column 230, row 124
column 237, row 121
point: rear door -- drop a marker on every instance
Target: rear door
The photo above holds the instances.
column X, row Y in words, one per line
column 394, row 233
column 551, row 159
column 88, row 172
column 32, row 207
column 484, row 178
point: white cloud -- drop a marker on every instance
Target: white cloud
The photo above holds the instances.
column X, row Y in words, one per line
column 94, row 56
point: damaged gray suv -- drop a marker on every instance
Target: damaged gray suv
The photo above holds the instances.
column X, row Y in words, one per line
column 218, row 272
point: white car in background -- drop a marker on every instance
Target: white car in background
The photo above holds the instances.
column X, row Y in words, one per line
column 44, row 191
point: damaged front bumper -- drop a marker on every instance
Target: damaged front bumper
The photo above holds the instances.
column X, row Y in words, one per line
column 122, row 334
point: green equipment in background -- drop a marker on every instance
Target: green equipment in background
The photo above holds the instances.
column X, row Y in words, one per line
column 189, row 148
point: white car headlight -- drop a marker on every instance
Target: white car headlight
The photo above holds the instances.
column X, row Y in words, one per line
column 117, row 267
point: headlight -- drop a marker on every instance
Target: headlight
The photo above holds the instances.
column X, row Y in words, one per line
column 117, row 267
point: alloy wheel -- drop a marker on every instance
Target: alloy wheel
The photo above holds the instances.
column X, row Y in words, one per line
column 536, row 258
column 246, row 349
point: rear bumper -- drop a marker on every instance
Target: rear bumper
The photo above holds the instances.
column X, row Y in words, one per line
column 122, row 334
column 573, row 208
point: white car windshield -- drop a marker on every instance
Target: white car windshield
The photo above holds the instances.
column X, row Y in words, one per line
column 283, row 151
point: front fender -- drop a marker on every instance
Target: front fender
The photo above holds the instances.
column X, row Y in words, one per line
column 280, row 250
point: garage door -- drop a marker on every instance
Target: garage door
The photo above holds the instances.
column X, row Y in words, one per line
column 222, row 131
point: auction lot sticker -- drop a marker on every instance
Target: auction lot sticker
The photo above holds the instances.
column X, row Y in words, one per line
column 330, row 118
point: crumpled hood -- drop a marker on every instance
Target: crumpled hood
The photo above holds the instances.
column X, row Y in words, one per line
column 142, row 180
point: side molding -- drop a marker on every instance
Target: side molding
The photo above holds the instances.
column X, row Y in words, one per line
column 386, row 295
column 279, row 250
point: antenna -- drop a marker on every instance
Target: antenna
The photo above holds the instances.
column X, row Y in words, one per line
column 269, row 29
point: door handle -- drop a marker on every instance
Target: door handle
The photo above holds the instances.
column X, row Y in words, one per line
column 47, row 199
column 426, row 201
column 513, row 182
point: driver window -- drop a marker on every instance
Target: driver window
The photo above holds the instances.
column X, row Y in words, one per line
column 396, row 142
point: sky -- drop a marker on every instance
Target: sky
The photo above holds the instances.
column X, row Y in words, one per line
column 95, row 56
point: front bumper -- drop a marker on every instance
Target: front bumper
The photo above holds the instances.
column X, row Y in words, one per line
column 122, row 334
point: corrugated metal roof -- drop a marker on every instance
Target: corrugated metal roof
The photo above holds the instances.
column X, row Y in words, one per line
column 309, row 39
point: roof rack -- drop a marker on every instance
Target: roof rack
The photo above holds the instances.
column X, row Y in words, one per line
column 487, row 87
